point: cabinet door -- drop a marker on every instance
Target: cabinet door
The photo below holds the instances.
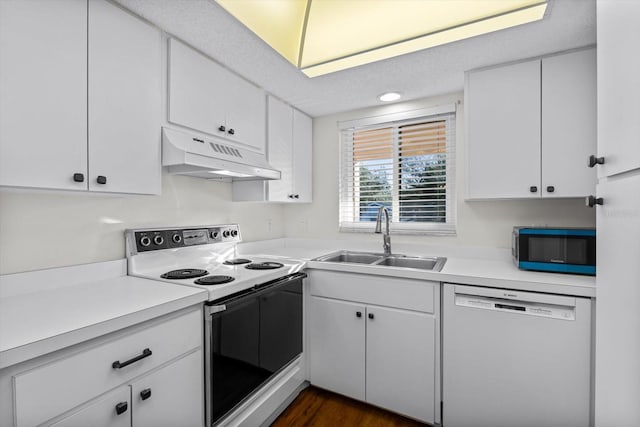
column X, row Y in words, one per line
column 103, row 411
column 43, row 82
column 302, row 157
column 401, row 361
column 124, row 101
column 618, row 89
column 503, row 131
column 171, row 396
column 245, row 112
column 617, row 294
column 194, row 98
column 280, row 149
column 568, row 124
column 336, row 346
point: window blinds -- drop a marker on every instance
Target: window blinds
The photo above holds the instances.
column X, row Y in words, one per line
column 407, row 166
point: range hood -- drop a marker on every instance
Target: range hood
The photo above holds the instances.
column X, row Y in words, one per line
column 188, row 154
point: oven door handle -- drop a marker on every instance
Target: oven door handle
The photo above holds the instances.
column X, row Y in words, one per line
column 217, row 308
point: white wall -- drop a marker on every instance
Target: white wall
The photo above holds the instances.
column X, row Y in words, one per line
column 46, row 229
column 479, row 223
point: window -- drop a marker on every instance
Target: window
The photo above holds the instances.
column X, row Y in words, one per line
column 404, row 162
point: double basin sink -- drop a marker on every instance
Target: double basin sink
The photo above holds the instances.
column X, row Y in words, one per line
column 375, row 259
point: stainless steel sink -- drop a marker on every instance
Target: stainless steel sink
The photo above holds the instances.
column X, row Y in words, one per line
column 381, row 260
column 351, row 257
column 433, row 264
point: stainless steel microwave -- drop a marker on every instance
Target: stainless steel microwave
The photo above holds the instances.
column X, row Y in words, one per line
column 558, row 250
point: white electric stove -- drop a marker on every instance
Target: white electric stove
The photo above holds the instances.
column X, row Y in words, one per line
column 252, row 319
column 203, row 257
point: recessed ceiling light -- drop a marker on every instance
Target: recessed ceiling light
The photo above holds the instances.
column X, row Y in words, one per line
column 321, row 37
column 389, row 96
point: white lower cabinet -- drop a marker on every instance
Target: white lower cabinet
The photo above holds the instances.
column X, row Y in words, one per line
column 386, row 356
column 170, row 396
column 150, row 374
column 337, row 342
column 111, row 410
column 164, row 397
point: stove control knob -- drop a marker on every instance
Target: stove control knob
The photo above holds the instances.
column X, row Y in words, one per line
column 225, row 233
column 214, row 234
column 145, row 241
column 176, row 238
column 234, row 233
column 158, row 240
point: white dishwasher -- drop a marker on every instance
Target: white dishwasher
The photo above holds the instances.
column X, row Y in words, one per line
column 515, row 359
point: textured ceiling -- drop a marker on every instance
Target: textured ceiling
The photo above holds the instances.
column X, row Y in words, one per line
column 435, row 71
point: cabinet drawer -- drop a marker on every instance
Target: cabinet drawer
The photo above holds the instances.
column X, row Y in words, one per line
column 44, row 392
column 408, row 294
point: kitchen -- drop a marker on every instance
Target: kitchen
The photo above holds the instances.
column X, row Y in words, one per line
column 44, row 229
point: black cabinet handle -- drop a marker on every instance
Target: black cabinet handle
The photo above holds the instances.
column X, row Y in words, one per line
column 593, row 160
column 145, row 353
column 591, row 201
column 296, row 196
column 551, row 189
column 122, row 407
column 101, row 179
column 358, row 314
column 78, row 177
column 371, row 316
column 222, row 128
column 145, row 394
column 232, row 132
column 533, row 189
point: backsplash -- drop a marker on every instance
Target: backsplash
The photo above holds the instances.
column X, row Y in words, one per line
column 42, row 229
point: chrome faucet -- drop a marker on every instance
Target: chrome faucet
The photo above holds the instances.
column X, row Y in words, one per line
column 386, row 239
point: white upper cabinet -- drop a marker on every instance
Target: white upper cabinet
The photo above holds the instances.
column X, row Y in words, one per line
column 280, row 149
column 80, row 104
column 302, row 158
column 206, row 97
column 568, row 124
column 125, row 60
column 503, row 131
column 289, row 150
column 43, row 82
column 618, row 89
column 531, row 128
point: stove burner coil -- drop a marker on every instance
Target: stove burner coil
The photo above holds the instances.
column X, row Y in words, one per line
column 184, row 273
column 214, row 280
column 269, row 265
column 237, row 261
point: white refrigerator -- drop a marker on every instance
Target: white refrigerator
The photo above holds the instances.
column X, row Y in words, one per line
column 617, row 349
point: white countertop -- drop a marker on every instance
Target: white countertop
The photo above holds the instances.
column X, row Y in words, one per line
column 472, row 266
column 46, row 310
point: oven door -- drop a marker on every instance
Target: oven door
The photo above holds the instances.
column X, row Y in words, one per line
column 250, row 337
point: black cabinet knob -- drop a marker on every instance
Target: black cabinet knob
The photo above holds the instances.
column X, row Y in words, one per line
column 145, row 394
column 591, row 201
column 551, row 189
column 358, row 314
column 78, row 177
column 222, row 128
column 371, row 316
column 101, row 179
column 533, row 189
column 122, row 407
column 232, row 132
column 296, row 196
column 593, row 160
column 290, row 196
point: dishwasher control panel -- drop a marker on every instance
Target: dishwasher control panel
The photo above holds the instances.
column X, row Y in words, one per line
column 516, row 306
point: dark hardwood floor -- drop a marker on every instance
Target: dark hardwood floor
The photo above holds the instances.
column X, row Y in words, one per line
column 321, row 408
